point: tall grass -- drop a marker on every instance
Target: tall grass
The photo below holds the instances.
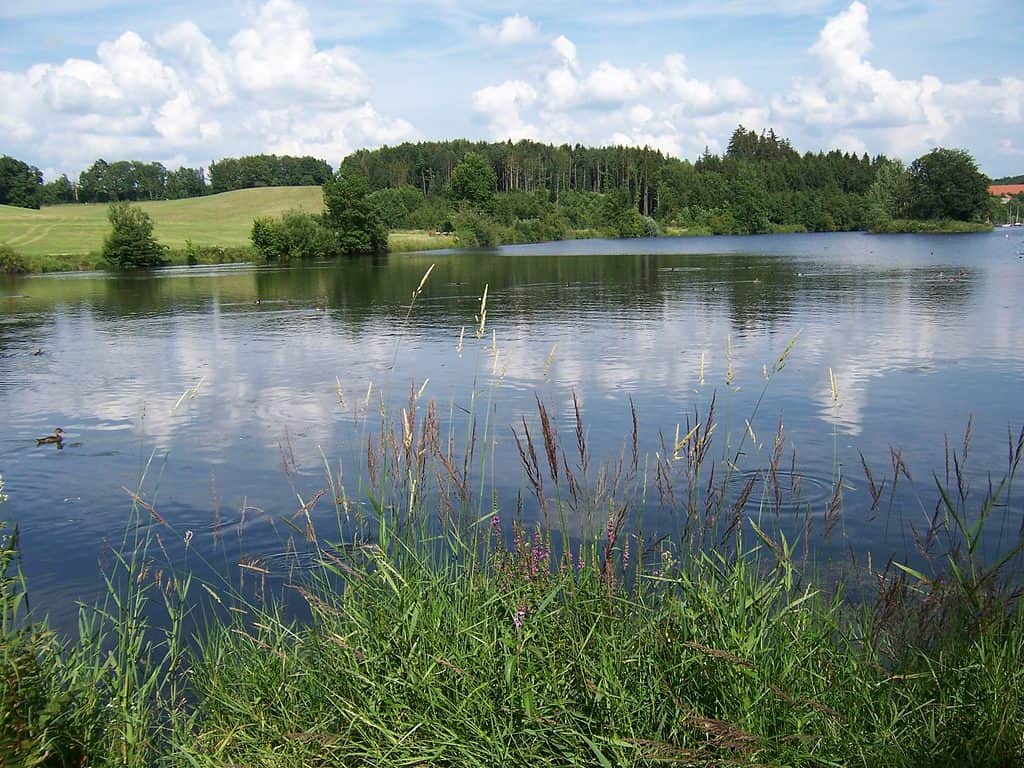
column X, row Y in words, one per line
column 439, row 627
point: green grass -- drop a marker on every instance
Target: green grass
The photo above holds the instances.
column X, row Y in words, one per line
column 943, row 227
column 70, row 237
column 406, row 240
column 223, row 220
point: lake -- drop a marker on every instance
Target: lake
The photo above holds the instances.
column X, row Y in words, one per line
column 236, row 385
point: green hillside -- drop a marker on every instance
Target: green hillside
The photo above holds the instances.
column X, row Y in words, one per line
column 224, row 219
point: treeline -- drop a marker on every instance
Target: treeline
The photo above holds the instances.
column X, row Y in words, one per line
column 759, row 184
column 22, row 184
column 267, row 171
column 1009, row 180
column 656, row 182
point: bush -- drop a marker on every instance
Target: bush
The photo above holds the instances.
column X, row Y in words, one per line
column 395, row 205
column 619, row 217
column 267, row 237
column 295, row 235
column 130, row 244
column 435, row 212
column 193, row 254
column 12, row 262
column 474, row 230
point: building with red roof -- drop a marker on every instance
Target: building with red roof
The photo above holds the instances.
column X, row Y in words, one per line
column 1005, row 191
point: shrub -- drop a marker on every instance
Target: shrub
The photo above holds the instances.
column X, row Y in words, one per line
column 395, row 205
column 12, row 262
column 474, row 230
column 267, row 237
column 295, row 235
column 130, row 243
column 619, row 217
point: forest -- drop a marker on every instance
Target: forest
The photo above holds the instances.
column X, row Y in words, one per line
column 518, row 192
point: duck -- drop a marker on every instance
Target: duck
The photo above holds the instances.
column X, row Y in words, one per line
column 57, row 437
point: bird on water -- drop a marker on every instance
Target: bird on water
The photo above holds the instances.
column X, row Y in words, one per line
column 57, row 437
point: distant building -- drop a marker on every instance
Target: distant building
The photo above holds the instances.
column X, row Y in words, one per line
column 1005, row 191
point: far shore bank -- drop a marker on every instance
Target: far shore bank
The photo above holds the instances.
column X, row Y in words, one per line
column 399, row 241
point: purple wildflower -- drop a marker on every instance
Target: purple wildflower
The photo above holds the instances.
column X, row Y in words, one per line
column 519, row 616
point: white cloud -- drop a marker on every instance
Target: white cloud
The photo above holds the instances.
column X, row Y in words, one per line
column 697, row 96
column 640, row 114
column 502, row 104
column 271, row 88
column 512, row 30
column 847, row 142
column 661, row 107
column 277, row 57
column 901, row 116
column 207, row 68
column 565, row 49
column 329, row 134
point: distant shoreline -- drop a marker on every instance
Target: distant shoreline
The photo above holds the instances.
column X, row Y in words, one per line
column 416, row 242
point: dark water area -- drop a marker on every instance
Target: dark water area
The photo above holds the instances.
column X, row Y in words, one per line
column 224, row 391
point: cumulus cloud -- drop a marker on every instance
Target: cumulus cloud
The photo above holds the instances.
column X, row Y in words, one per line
column 857, row 100
column 180, row 96
column 502, row 104
column 565, row 49
column 661, row 106
column 512, row 30
column 846, row 101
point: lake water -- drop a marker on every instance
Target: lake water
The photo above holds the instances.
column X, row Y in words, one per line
column 238, row 402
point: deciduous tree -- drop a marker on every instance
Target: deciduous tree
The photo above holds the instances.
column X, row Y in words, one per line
column 946, row 184
column 474, row 180
column 131, row 243
column 352, row 217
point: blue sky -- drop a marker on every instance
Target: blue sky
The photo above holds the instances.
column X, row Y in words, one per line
column 189, row 82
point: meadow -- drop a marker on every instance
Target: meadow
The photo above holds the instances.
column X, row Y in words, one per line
column 70, row 237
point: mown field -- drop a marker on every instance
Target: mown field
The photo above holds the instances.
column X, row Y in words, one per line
column 223, row 220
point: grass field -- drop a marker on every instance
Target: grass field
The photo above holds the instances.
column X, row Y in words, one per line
column 223, row 220
column 69, row 237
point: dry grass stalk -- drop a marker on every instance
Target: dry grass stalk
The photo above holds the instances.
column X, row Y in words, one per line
column 723, row 735
column 718, row 654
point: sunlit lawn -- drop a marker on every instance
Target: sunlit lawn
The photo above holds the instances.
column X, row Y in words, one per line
column 224, row 220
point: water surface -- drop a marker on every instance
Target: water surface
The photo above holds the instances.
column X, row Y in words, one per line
column 225, row 381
